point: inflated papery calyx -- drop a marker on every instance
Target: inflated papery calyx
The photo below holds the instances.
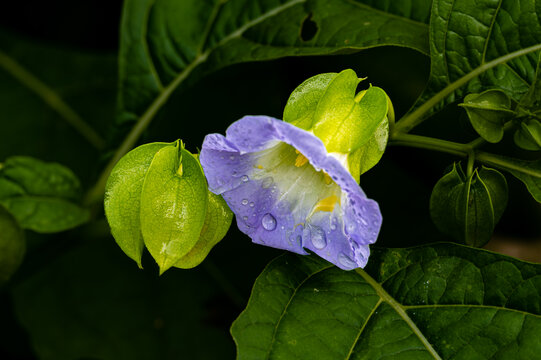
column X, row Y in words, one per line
column 467, row 208
column 351, row 125
column 157, row 197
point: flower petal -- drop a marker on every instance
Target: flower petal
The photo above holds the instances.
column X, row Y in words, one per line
column 279, row 200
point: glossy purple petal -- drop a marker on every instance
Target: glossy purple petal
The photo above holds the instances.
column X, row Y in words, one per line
column 288, row 206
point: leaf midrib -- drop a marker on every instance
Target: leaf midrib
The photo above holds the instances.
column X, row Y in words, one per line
column 400, row 310
column 287, row 306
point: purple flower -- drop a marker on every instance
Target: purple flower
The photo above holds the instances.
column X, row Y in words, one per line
column 287, row 192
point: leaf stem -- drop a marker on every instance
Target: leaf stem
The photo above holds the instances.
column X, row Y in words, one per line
column 416, row 117
column 51, row 98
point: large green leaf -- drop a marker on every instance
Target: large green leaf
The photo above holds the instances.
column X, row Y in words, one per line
column 166, row 42
column 431, row 302
column 466, row 34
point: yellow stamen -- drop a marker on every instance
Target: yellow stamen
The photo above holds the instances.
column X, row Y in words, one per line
column 327, row 204
column 327, row 179
column 259, row 166
column 301, row 159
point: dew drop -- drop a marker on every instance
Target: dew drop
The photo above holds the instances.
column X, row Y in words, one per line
column 318, row 238
column 244, row 202
column 252, row 204
column 245, row 218
column 346, row 261
column 364, row 222
column 269, row 222
column 232, row 157
column 267, row 182
column 244, row 178
column 333, row 226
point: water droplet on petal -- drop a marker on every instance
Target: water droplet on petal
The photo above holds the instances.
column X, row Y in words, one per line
column 245, row 218
column 232, row 157
column 319, row 240
column 333, row 226
column 375, row 223
column 364, row 222
column 346, row 261
column 267, row 182
column 244, row 202
column 252, row 204
column 269, row 222
column 244, row 178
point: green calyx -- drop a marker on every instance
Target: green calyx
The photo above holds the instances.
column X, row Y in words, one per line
column 157, row 197
column 350, row 123
column 467, row 208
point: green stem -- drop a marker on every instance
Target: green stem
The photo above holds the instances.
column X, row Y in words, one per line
column 51, row 98
column 424, row 142
column 410, row 121
column 96, row 193
column 471, row 162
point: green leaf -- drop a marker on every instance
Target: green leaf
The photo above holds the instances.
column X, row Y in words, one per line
column 167, row 44
column 9, row 189
column 487, row 112
column 46, row 214
column 12, row 245
column 532, row 99
column 37, row 177
column 123, row 198
column 173, row 205
column 529, row 172
column 469, row 209
column 42, row 196
column 528, row 136
column 217, row 222
column 465, row 35
column 432, row 302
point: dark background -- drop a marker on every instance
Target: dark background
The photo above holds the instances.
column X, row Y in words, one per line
column 75, row 286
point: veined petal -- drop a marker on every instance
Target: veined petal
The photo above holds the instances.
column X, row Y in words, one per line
column 287, row 192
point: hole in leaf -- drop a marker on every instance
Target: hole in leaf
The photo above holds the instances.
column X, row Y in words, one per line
column 308, row 28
